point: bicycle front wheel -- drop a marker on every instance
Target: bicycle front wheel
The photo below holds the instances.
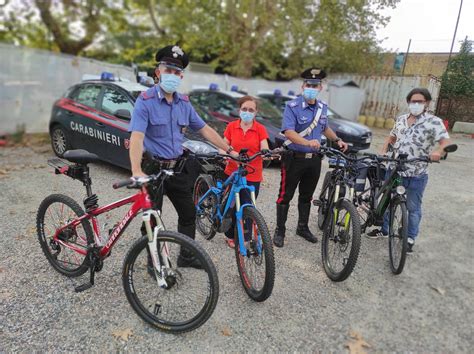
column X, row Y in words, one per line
column 398, row 235
column 205, row 217
column 257, row 268
column 54, row 212
column 341, row 241
column 191, row 294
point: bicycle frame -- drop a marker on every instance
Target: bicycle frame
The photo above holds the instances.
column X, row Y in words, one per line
column 335, row 188
column 140, row 203
column 238, row 182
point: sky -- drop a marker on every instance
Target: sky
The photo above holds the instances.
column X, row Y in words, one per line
column 429, row 23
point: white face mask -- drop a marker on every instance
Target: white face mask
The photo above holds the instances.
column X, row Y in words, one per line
column 416, row 108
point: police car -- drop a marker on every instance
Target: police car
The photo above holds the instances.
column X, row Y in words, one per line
column 94, row 115
column 356, row 135
column 223, row 106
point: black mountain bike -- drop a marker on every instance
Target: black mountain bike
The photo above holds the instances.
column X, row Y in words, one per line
column 386, row 193
column 338, row 217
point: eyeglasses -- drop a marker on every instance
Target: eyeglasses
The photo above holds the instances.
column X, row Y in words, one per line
column 245, row 109
column 418, row 101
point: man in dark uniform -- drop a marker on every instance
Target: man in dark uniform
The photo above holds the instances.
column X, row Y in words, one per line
column 157, row 127
column 304, row 121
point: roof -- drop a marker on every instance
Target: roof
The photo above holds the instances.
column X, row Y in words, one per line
column 126, row 85
column 131, row 86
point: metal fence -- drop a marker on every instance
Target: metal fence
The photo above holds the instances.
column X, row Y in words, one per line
column 385, row 96
column 31, row 80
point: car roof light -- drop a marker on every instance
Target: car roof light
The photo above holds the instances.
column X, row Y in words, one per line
column 106, row 76
column 213, row 87
column 234, row 88
column 291, row 93
column 277, row 92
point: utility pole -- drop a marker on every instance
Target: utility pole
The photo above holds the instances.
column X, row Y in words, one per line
column 454, row 36
column 406, row 57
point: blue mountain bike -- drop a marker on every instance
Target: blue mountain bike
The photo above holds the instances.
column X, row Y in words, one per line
column 217, row 201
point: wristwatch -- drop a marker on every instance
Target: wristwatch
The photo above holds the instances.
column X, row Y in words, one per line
column 337, row 140
column 229, row 150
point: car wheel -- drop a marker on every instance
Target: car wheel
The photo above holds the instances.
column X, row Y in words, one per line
column 59, row 140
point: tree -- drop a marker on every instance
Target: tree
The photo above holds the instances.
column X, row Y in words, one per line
column 458, row 79
column 69, row 26
column 273, row 39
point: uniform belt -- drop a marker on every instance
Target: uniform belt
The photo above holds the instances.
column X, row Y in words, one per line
column 305, row 155
column 165, row 164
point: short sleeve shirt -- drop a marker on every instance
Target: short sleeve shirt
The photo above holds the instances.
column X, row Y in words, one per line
column 418, row 140
column 164, row 123
column 250, row 140
column 299, row 115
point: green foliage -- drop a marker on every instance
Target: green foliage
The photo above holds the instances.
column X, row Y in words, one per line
column 274, row 39
column 458, row 79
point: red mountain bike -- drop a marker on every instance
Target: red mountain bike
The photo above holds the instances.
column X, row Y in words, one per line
column 172, row 298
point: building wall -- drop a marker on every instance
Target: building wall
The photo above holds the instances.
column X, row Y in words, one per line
column 419, row 64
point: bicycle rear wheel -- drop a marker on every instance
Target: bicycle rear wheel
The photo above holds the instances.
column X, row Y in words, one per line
column 398, row 235
column 257, row 268
column 204, row 218
column 191, row 295
column 324, row 200
column 341, row 241
column 54, row 212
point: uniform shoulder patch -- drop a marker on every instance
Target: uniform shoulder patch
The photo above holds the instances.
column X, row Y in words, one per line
column 184, row 97
column 150, row 93
column 293, row 103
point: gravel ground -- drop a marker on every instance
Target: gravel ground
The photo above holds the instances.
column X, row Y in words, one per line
column 427, row 308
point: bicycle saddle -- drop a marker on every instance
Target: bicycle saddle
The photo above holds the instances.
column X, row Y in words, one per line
column 80, row 156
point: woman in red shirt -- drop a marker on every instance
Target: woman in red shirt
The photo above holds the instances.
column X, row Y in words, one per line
column 246, row 133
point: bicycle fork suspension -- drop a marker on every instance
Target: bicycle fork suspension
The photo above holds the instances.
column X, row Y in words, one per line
column 152, row 235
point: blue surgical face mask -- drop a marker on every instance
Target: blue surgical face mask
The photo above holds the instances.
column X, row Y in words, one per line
column 246, row 116
column 169, row 82
column 310, row 93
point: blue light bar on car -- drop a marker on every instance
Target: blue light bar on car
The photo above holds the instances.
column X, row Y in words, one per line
column 291, row 93
column 213, row 87
column 277, row 92
column 106, row 76
column 234, row 88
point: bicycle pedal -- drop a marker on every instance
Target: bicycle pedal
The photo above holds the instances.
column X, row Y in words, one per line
column 83, row 287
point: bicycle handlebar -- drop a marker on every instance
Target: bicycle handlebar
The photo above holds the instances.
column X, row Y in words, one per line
column 140, row 181
column 241, row 158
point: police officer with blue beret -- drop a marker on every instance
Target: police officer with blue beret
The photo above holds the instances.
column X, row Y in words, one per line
column 304, row 121
column 157, row 127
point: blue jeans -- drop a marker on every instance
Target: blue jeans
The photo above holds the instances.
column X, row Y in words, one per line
column 244, row 199
column 415, row 186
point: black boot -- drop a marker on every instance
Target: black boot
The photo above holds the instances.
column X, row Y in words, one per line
column 282, row 214
column 186, row 258
column 303, row 217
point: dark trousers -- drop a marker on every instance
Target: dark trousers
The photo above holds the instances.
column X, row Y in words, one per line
column 244, row 199
column 179, row 189
column 294, row 171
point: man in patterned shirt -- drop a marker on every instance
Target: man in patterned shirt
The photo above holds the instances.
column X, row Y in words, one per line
column 415, row 134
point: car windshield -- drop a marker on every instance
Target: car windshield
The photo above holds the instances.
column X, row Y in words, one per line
column 269, row 112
